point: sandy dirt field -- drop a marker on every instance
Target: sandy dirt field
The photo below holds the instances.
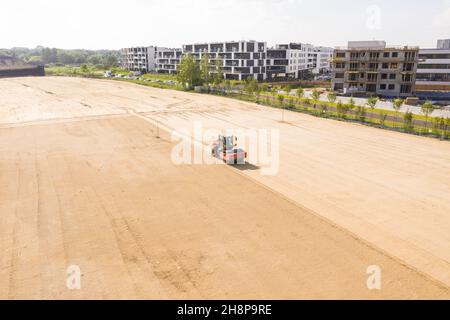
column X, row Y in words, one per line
column 84, row 181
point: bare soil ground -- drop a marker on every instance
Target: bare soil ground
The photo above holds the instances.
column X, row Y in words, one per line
column 84, row 181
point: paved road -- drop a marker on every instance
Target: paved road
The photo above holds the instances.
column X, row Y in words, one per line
column 386, row 105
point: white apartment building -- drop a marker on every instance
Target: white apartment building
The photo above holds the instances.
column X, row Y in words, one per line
column 290, row 61
column 141, row 59
column 323, row 57
column 433, row 71
column 239, row 59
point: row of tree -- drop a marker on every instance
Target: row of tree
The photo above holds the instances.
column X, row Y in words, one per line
column 440, row 125
column 46, row 56
column 193, row 73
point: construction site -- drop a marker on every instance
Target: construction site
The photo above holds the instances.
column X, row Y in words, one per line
column 87, row 178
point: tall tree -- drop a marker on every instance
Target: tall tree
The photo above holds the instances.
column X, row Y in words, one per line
column 332, row 97
column 205, row 69
column 217, row 77
column 189, row 74
column 397, row 104
column 372, row 102
column 315, row 95
column 280, row 98
column 427, row 108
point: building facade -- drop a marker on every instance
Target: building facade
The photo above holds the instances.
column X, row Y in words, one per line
column 167, row 60
column 239, row 59
column 323, row 57
column 290, row 61
column 372, row 68
column 141, row 59
column 433, row 72
column 443, row 44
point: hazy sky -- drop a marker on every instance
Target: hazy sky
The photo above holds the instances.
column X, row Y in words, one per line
column 112, row 24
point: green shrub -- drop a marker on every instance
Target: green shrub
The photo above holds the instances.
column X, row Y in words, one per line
column 408, row 124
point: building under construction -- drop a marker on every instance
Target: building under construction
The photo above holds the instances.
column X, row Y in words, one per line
column 371, row 68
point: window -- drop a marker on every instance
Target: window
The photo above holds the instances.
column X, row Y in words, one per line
column 392, row 87
column 384, row 76
column 394, row 54
column 338, row 86
column 392, row 76
column 407, row 78
column 385, row 65
column 386, row 54
column 382, row 87
column 433, row 66
column 406, row 88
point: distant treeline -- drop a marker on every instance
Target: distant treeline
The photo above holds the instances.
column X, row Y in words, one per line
column 52, row 56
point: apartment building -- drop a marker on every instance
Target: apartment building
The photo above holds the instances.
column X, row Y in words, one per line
column 239, row 59
column 433, row 72
column 323, row 57
column 290, row 61
column 167, row 60
column 372, row 68
column 142, row 59
column 443, row 44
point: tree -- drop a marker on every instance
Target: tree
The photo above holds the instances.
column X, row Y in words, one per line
column 383, row 116
column 228, row 85
column 446, row 128
column 274, row 92
column 300, row 93
column 217, row 77
column 109, row 60
column 397, row 104
column 258, row 90
column 340, row 110
column 288, row 89
column 204, row 68
column 351, row 104
column 323, row 108
column 49, row 55
column 315, row 95
column 408, row 124
column 372, row 102
column 427, row 108
column 332, row 97
column 361, row 113
column 189, row 74
column 84, row 68
column 280, row 98
column 95, row 59
column 264, row 87
column 250, row 85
